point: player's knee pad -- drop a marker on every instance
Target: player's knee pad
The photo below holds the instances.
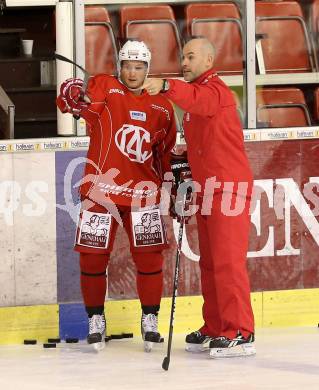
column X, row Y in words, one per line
column 148, row 263
column 93, row 264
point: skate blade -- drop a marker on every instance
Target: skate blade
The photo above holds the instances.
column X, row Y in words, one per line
column 197, row 348
column 237, row 351
column 148, row 346
column 98, row 346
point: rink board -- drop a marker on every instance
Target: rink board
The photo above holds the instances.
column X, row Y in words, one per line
column 272, row 309
column 39, row 206
column 28, row 322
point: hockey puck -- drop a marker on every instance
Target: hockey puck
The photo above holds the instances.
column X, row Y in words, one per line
column 127, row 335
column 29, row 342
column 54, row 341
column 116, row 336
column 71, row 340
column 49, row 345
column 107, row 339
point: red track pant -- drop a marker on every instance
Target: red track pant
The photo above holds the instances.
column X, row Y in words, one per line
column 223, row 242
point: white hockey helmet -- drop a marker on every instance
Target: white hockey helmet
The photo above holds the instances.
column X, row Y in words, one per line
column 134, row 51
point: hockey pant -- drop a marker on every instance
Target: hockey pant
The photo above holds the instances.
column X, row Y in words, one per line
column 95, row 247
column 223, row 244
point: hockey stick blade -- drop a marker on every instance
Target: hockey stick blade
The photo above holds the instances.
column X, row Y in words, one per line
column 165, row 363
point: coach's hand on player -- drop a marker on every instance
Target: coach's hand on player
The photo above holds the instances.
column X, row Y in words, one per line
column 153, row 86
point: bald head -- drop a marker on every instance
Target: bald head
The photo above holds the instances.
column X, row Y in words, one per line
column 198, row 57
column 202, row 44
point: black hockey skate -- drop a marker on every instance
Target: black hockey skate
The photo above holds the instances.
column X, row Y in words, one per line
column 197, row 342
column 149, row 329
column 96, row 336
column 221, row 347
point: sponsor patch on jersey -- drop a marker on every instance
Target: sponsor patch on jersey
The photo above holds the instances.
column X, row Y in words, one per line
column 138, row 115
column 94, row 230
column 147, row 228
column 116, row 90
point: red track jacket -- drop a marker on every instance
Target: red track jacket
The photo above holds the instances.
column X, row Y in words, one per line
column 213, row 132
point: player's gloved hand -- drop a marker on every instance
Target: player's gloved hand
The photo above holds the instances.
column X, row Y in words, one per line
column 182, row 183
column 71, row 98
column 62, row 105
column 176, row 208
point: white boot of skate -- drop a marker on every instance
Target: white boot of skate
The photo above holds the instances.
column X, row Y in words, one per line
column 150, row 334
column 97, row 328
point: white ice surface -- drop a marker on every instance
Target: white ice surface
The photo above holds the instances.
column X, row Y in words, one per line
column 286, row 359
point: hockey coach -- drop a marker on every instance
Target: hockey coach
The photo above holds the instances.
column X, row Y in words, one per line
column 218, row 161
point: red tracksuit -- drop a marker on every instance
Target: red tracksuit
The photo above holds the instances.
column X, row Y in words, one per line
column 215, row 148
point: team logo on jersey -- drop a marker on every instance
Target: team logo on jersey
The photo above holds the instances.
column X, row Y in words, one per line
column 138, row 115
column 116, row 90
column 132, row 142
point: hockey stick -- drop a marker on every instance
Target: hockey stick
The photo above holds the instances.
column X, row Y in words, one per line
column 86, row 73
column 167, row 358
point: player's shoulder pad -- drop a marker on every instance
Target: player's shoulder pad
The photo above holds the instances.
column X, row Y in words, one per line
column 101, row 78
column 97, row 86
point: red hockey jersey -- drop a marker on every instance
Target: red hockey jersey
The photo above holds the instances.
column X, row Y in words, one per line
column 131, row 137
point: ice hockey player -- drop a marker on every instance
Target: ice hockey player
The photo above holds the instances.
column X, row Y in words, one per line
column 131, row 138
